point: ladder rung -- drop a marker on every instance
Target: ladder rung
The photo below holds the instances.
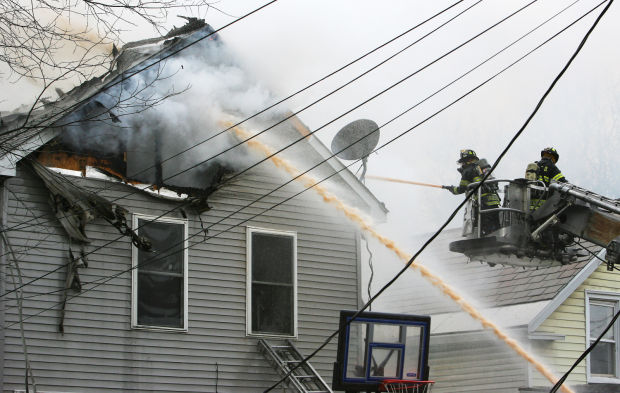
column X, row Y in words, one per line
column 276, row 353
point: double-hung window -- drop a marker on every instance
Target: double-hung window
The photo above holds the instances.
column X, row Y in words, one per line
column 271, row 282
column 604, row 360
column 159, row 276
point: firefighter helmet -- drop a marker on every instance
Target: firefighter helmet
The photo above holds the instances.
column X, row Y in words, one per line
column 552, row 152
column 466, row 155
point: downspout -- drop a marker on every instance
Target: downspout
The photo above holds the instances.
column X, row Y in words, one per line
column 358, row 258
column 3, row 261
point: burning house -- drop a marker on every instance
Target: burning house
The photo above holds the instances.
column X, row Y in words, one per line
column 147, row 246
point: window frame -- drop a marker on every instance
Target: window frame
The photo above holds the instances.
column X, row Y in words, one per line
column 609, row 297
column 134, row 273
column 249, row 232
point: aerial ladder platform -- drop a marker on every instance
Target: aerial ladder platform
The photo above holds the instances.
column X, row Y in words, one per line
column 285, row 357
column 539, row 226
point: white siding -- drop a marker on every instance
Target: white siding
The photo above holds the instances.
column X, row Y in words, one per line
column 99, row 352
column 475, row 362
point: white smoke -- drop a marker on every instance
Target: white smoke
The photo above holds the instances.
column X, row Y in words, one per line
column 178, row 106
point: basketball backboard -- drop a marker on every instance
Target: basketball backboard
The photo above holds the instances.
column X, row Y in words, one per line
column 378, row 346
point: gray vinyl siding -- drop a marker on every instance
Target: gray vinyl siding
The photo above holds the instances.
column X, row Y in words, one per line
column 475, row 362
column 99, row 352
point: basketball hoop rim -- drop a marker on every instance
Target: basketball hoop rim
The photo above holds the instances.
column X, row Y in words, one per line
column 409, row 382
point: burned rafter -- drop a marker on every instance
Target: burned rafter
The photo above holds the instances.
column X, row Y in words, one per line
column 75, row 207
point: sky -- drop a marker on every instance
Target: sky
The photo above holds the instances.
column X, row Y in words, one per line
column 290, row 44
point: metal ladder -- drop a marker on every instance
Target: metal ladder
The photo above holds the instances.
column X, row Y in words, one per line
column 283, row 358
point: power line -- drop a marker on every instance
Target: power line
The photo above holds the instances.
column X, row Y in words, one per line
column 328, row 177
column 311, row 133
column 328, row 76
column 314, row 83
column 468, row 196
column 585, row 353
column 130, row 75
column 383, row 125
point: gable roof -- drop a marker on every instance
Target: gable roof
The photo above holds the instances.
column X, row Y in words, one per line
column 45, row 123
column 566, row 291
column 490, row 288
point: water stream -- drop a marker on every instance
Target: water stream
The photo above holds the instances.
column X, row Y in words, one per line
column 354, row 215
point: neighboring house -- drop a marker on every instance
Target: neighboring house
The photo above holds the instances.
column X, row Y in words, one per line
column 138, row 280
column 553, row 312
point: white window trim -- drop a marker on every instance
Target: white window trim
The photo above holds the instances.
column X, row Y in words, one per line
column 605, row 296
column 39, row 391
column 134, row 275
column 248, row 290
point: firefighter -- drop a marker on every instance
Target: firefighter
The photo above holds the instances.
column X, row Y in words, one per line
column 472, row 172
column 547, row 171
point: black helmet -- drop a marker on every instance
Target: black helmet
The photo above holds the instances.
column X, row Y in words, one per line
column 551, row 151
column 466, row 155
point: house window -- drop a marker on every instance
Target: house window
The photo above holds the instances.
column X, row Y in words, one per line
column 604, row 360
column 272, row 282
column 159, row 276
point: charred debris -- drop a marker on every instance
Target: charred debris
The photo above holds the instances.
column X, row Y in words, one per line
column 82, row 131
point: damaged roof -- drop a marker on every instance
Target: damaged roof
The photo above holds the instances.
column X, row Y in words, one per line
column 24, row 133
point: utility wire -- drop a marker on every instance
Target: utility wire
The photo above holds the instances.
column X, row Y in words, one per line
column 585, row 353
column 393, row 119
column 328, row 76
column 130, row 75
column 453, row 214
column 363, row 102
column 311, row 133
column 314, row 83
column 352, row 109
column 304, row 89
column 328, row 177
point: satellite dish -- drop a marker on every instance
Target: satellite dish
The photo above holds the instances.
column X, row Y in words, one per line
column 356, row 140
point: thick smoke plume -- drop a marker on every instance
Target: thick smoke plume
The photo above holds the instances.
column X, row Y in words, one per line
column 166, row 112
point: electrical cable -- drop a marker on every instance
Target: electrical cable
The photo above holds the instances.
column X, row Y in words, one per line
column 19, row 295
column 353, row 163
column 307, row 87
column 325, row 125
column 591, row 252
column 383, row 91
column 320, row 80
column 328, row 76
column 402, row 80
column 297, row 112
column 403, row 133
column 370, row 266
column 130, row 75
column 585, row 353
column 459, row 207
